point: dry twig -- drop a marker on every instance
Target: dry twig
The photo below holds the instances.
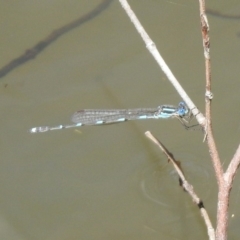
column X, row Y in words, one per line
column 154, row 51
column 188, row 187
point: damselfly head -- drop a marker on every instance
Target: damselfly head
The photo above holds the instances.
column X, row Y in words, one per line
column 182, row 109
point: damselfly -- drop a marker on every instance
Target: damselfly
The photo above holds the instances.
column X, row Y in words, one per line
column 89, row 117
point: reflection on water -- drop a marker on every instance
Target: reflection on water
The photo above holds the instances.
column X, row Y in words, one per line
column 42, row 44
column 223, row 15
column 159, row 183
column 159, row 186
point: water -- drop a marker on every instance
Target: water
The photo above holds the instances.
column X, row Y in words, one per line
column 87, row 183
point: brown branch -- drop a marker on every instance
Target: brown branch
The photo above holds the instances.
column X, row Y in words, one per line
column 188, row 187
column 208, row 126
column 224, row 196
column 224, row 186
column 232, row 168
column 40, row 46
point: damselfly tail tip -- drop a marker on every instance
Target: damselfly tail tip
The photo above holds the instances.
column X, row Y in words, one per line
column 39, row 129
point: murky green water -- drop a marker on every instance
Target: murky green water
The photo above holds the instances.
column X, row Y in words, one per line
column 110, row 182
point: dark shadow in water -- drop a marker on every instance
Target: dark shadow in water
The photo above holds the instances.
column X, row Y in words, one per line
column 35, row 50
column 214, row 13
column 222, row 15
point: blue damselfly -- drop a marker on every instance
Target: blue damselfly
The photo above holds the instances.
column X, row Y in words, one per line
column 90, row 117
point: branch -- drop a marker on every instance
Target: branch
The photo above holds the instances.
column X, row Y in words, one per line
column 208, row 95
column 153, row 50
column 224, row 180
column 188, row 187
column 232, row 168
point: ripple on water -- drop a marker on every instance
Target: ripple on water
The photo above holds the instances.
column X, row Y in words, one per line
column 159, row 181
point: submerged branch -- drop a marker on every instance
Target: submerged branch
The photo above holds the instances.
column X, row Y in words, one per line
column 39, row 47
